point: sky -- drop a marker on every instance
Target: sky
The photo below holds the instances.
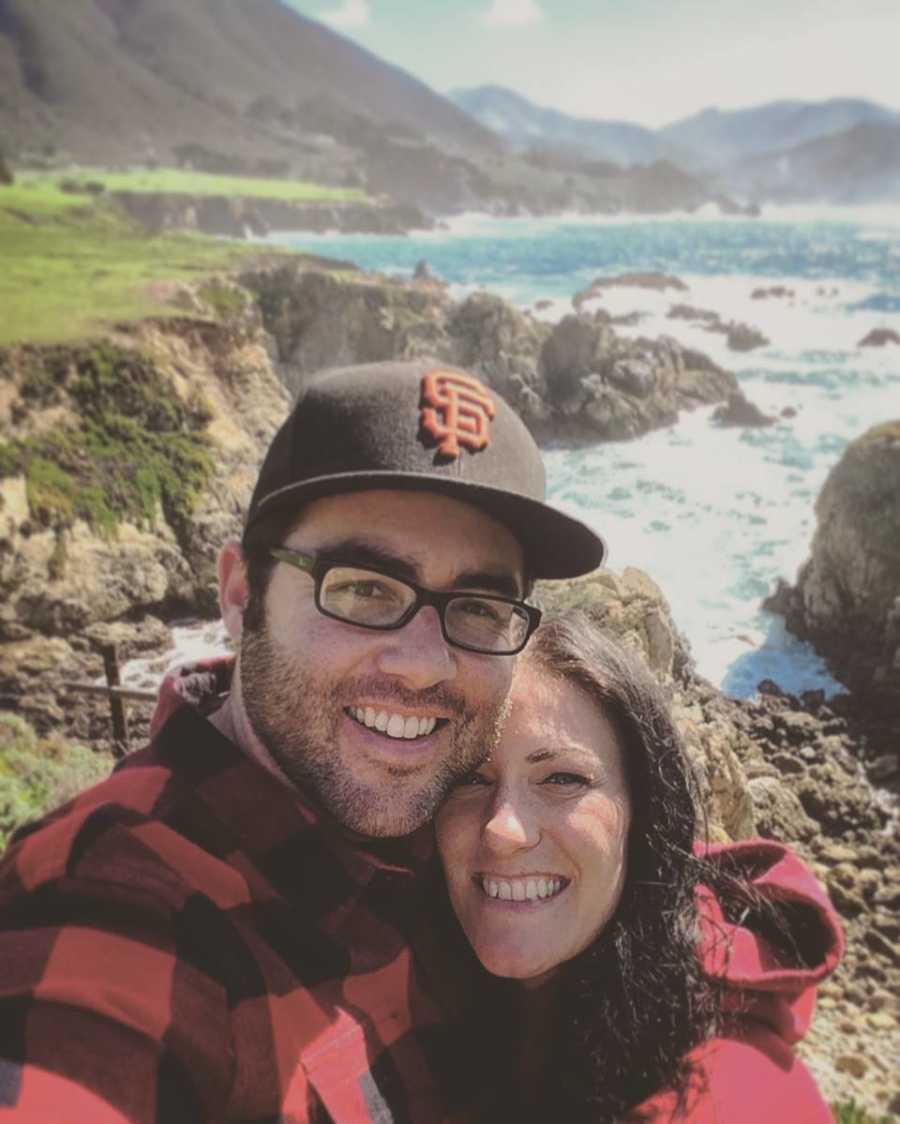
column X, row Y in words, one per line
column 646, row 61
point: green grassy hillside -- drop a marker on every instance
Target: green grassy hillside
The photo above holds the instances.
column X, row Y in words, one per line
column 73, row 265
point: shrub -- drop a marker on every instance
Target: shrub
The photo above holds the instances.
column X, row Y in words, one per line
column 849, row 1112
column 39, row 774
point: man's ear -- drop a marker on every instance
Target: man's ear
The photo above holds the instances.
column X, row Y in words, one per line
column 233, row 589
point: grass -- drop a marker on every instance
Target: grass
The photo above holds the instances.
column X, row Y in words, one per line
column 176, row 181
column 72, row 267
column 39, row 774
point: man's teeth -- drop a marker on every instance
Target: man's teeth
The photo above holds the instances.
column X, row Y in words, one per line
column 522, row 889
column 394, row 725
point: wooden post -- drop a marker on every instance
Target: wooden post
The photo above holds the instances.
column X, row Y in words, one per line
column 116, row 705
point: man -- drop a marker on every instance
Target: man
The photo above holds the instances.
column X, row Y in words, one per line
column 218, row 932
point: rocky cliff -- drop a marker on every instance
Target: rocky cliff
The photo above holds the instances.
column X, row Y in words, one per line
column 847, row 597
column 244, row 216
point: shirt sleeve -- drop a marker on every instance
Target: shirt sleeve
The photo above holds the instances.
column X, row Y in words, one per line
column 107, row 1014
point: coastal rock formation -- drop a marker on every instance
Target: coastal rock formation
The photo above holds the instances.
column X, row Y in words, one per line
column 576, row 380
column 739, row 337
column 124, row 465
column 879, row 337
column 243, row 216
column 659, row 282
column 847, row 596
column 740, row 411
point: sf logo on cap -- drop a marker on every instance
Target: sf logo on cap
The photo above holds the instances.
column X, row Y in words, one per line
column 456, row 410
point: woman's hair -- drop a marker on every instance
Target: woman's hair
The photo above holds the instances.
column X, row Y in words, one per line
column 634, row 1003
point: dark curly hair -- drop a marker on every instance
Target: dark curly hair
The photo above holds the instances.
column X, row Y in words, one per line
column 632, row 1005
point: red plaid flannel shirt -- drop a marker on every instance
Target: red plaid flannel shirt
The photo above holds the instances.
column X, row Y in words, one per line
column 190, row 942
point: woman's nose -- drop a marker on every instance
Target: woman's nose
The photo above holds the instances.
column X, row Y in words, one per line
column 511, row 826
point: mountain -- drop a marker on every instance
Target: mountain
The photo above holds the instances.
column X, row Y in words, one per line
column 527, row 126
column 718, row 139
column 857, row 165
column 108, row 79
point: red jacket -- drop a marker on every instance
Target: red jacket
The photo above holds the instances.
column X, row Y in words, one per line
column 750, row 1074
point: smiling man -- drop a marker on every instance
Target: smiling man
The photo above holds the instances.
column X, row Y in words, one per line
column 219, row 931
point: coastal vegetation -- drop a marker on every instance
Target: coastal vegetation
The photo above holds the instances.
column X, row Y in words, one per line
column 39, row 773
column 129, row 448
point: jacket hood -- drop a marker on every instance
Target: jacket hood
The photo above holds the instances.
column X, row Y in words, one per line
column 768, row 979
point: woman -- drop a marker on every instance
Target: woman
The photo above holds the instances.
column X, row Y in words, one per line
column 618, row 975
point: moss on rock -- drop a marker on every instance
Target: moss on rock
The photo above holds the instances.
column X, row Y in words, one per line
column 132, row 445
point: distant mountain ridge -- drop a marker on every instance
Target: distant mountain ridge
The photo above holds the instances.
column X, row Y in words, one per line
column 856, row 166
column 526, row 125
column 720, row 138
column 749, row 149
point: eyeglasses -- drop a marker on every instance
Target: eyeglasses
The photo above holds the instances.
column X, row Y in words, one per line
column 360, row 595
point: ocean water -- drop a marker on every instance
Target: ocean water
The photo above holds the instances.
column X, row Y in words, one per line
column 713, row 515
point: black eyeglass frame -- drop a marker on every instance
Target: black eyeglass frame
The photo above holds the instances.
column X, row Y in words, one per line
column 318, row 566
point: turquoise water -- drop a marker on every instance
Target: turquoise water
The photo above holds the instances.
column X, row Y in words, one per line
column 714, row 516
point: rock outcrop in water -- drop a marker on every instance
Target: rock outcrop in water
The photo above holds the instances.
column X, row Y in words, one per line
column 576, row 380
column 847, row 597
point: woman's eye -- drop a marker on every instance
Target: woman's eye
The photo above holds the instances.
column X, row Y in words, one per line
column 567, row 779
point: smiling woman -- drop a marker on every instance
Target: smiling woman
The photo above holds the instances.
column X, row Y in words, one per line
column 604, row 968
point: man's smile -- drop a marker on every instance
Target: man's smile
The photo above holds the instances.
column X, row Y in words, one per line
column 393, row 724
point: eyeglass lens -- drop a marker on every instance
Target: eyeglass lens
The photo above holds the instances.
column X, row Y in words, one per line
column 375, row 600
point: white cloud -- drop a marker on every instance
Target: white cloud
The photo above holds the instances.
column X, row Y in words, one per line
column 350, row 14
column 512, row 13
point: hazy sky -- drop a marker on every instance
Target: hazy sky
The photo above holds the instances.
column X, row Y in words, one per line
column 649, row 61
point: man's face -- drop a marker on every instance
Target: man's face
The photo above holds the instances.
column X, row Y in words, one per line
column 334, row 703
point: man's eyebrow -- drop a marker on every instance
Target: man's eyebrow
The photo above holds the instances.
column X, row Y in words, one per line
column 493, row 580
column 362, row 552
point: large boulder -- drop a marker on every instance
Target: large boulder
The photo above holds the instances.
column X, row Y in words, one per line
column 847, row 597
column 632, row 609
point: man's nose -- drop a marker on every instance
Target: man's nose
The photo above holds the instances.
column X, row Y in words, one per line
column 510, row 825
column 418, row 653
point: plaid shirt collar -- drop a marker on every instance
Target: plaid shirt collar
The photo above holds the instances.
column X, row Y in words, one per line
column 269, row 821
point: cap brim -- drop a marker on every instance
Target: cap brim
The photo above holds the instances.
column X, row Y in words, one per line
column 555, row 545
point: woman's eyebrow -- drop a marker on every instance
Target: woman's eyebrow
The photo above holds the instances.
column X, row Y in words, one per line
column 548, row 754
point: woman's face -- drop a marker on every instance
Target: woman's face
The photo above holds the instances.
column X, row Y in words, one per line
column 533, row 844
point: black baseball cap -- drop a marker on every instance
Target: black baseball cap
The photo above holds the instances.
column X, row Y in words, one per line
column 419, row 425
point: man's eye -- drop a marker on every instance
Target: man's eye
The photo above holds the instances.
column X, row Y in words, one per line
column 363, row 588
column 490, row 610
column 471, row 780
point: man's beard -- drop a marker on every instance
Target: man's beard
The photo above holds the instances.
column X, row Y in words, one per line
column 297, row 714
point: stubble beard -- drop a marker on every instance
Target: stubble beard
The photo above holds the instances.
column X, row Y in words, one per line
column 296, row 714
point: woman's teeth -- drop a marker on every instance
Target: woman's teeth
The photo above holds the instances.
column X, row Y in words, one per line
column 522, row 889
column 394, row 725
